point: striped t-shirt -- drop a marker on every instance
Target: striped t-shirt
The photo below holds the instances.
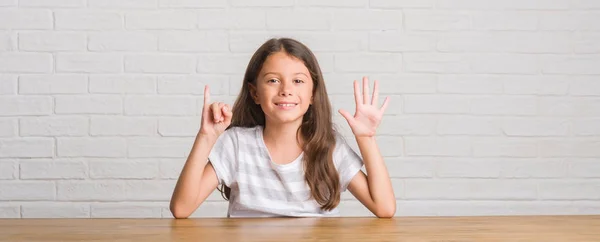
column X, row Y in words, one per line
column 262, row 188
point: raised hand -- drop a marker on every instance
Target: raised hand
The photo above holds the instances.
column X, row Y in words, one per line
column 368, row 115
column 216, row 117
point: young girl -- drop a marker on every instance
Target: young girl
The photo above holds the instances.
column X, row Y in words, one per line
column 277, row 153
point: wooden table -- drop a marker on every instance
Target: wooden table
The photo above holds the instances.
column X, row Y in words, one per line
column 438, row 229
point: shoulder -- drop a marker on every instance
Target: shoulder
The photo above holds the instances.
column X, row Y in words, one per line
column 242, row 133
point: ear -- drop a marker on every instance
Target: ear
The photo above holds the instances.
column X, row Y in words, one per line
column 253, row 93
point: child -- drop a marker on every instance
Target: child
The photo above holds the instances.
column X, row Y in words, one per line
column 277, row 153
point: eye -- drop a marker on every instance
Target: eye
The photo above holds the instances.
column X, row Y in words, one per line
column 272, row 80
column 298, row 81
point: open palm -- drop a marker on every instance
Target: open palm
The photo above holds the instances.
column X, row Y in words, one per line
column 368, row 115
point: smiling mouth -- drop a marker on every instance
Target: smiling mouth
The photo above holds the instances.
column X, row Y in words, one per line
column 286, row 104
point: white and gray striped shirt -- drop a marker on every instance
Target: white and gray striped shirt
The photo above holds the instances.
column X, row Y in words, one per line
column 262, row 188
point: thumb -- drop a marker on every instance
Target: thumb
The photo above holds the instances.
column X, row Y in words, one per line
column 347, row 116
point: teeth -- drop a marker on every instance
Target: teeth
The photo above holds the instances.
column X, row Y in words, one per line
column 287, row 105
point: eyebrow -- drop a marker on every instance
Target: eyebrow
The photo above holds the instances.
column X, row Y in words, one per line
column 275, row 73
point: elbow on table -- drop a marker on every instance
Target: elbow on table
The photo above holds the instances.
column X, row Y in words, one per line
column 386, row 211
column 178, row 212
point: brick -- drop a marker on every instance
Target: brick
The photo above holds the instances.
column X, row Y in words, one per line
column 237, row 19
column 586, row 43
column 497, row 208
column 536, row 85
column 536, row 127
column 91, row 147
column 504, row 147
column 27, row 190
column 401, row 42
column 192, row 4
column 410, row 167
column 127, row 210
column 159, row 20
column 27, row 147
column 122, row 126
column 569, row 190
column 569, row 21
column 436, row 20
column 53, row 169
column 407, row 125
column 52, row 41
column 206, row 41
column 223, row 63
column 10, row 211
column 441, row 146
column 21, row 19
column 563, row 106
column 122, row 84
column 160, row 63
column 389, row 84
column 160, row 147
column 303, row 20
column 53, row 84
column 89, row 62
column 119, row 4
column 8, row 127
column 8, row 84
column 468, row 168
column 123, row 169
column 504, row 105
column 108, row 41
column 473, row 189
column 193, row 84
column 470, row 84
column 206, row 210
column 505, row 42
column 586, row 126
column 503, row 5
column 54, row 126
column 160, row 105
column 532, row 168
column 439, row 104
column 124, row 190
column 504, row 64
column 571, row 64
column 20, row 106
column 468, row 125
column 8, row 169
column 96, row 104
column 371, row 62
column 436, row 63
column 56, row 210
column 367, row 20
column 6, row 41
column 25, row 62
column 584, row 168
column 52, row 3
column 504, row 20
column 170, row 168
column 186, row 127
column 577, row 147
column 8, row 3
column 262, row 3
column 392, row 4
column 88, row 20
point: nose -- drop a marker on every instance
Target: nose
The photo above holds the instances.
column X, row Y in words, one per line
column 286, row 89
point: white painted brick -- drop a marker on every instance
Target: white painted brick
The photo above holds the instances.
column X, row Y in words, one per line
column 8, row 169
column 407, row 125
column 540, row 85
column 8, row 127
column 397, row 185
column 122, row 126
column 88, row 20
column 334, row 3
column 156, row 20
column 585, row 4
column 238, row 19
column 160, row 147
column 120, row 4
column 326, row 61
column 53, row 84
column 193, row 84
column 249, row 41
column 205, row 210
column 503, row 5
column 124, row 190
column 192, row 3
column 53, row 169
column 25, row 62
column 170, row 168
column 14, row 105
column 122, row 41
column 187, row 127
column 532, row 168
column 372, row 62
column 353, row 208
column 160, row 105
column 436, row 63
column 52, row 3
column 436, row 20
column 505, row 63
column 506, row 42
column 467, row 168
column 26, row 19
column 160, row 63
column 536, row 127
column 439, row 146
column 401, row 42
column 91, row 147
column 8, row 3
column 475, row 189
column 96, row 104
column 563, row 106
column 303, row 20
column 56, row 210
column 521, row 105
column 570, row 148
column 27, row 147
column 27, row 190
column 570, row 64
column 410, row 167
column 54, row 126
column 504, row 20
column 468, row 125
column 391, row 4
column 470, row 84
column 89, row 62
column 185, row 41
column 6, row 41
column 585, row 86
column 8, row 84
column 438, row 104
column 367, row 20
column 584, row 168
column 495, row 208
column 122, row 84
column 223, row 63
column 127, row 210
column 347, row 103
column 320, row 41
column 586, row 127
column 123, row 169
column 569, row 190
column 10, row 211
column 262, row 3
column 52, row 41
column 569, row 21
column 389, row 84
column 504, row 147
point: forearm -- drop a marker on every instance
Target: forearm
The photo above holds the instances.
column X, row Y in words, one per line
column 380, row 186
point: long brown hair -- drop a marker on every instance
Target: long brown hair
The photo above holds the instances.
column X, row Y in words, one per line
column 316, row 130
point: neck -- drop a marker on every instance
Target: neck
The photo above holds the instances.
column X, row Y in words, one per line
column 281, row 134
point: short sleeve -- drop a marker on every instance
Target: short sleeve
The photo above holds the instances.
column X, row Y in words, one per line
column 348, row 162
column 223, row 157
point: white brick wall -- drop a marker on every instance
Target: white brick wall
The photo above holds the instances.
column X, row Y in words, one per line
column 495, row 104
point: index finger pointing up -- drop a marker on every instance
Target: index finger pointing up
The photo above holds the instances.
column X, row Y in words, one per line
column 206, row 95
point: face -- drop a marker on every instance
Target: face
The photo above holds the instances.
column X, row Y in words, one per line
column 283, row 88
